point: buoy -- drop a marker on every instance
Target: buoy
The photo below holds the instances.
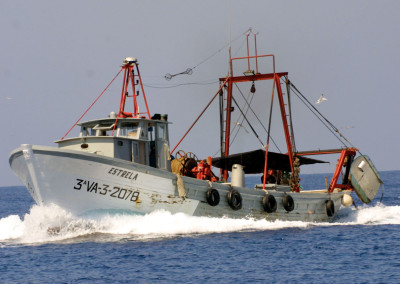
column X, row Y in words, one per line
column 330, row 208
column 269, row 203
column 288, row 203
column 234, row 199
column 212, row 196
column 347, row 200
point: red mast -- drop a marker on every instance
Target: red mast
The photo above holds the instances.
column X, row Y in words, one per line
column 252, row 76
column 129, row 79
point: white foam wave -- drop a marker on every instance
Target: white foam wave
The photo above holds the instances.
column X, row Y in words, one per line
column 52, row 223
column 370, row 215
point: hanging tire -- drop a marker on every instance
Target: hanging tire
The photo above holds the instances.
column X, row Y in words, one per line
column 234, row 199
column 269, row 203
column 330, row 208
column 288, row 203
column 212, row 196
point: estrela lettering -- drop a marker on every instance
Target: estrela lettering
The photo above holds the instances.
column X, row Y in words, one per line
column 123, row 173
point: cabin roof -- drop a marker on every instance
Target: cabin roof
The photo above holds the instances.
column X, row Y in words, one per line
column 94, row 122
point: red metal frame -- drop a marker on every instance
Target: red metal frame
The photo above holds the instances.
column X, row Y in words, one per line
column 129, row 78
column 345, row 154
column 348, row 153
column 319, row 152
column 284, row 121
column 91, row 105
column 193, row 124
column 256, row 77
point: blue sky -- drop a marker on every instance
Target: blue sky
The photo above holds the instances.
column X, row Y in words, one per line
column 57, row 56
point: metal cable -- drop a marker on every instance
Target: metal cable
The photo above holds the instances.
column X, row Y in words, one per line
column 242, row 119
column 179, row 85
column 321, row 118
column 248, row 122
column 332, row 128
column 257, row 117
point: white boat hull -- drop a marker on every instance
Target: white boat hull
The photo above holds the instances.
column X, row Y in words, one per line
column 82, row 182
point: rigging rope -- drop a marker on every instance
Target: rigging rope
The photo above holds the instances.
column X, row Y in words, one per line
column 222, row 48
column 179, row 85
column 190, row 128
column 333, row 129
column 242, row 119
column 248, row 122
column 92, row 104
column 189, row 71
column 257, row 117
column 318, row 115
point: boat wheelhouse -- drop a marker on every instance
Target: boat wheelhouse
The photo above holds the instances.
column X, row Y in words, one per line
column 138, row 140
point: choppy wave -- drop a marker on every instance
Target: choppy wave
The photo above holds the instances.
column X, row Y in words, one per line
column 54, row 224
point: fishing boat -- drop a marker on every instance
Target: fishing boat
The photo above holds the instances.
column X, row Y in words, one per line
column 123, row 162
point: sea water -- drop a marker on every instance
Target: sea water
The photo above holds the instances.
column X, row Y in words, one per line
column 50, row 245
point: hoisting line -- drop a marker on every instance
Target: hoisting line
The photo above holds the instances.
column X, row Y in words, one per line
column 250, row 108
column 332, row 127
column 247, row 106
column 189, row 71
column 248, row 122
column 92, row 104
column 190, row 128
column 321, row 118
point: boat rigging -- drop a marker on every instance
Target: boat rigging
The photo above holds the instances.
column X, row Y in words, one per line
column 124, row 161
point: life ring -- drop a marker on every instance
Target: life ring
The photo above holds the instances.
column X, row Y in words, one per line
column 234, row 199
column 330, row 208
column 288, row 203
column 269, row 203
column 212, row 196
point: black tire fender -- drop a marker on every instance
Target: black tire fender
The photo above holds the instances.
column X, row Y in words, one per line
column 212, row 197
column 288, row 203
column 234, row 199
column 269, row 203
column 330, row 208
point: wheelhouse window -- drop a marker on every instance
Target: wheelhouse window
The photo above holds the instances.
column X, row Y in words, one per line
column 161, row 132
column 132, row 130
column 104, row 130
column 97, row 130
column 150, row 133
column 84, row 131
